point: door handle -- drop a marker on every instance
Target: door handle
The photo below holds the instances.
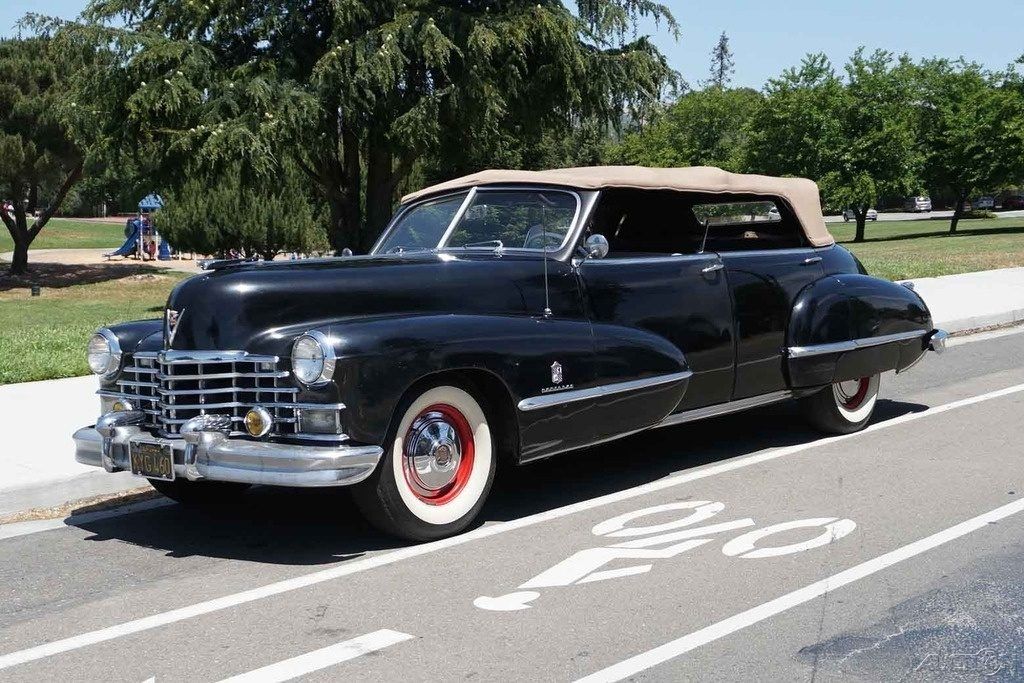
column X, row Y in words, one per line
column 811, row 261
column 713, row 268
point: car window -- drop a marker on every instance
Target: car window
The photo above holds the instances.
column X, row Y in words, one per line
column 736, row 213
column 757, row 224
column 519, row 219
column 422, row 226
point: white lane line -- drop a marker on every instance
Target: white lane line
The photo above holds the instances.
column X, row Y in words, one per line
column 15, row 529
column 680, row 646
column 356, row 566
column 322, row 658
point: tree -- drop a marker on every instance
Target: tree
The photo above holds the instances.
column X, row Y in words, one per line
column 214, row 215
column 359, row 93
column 722, row 65
column 972, row 129
column 856, row 138
column 40, row 161
column 702, row 128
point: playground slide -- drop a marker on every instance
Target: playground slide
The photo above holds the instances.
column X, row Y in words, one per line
column 128, row 248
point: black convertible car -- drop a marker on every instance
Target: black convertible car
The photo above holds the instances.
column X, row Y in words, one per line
column 500, row 318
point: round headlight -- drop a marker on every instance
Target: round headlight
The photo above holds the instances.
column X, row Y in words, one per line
column 104, row 353
column 312, row 358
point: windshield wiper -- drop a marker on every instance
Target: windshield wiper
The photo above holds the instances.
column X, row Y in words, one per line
column 497, row 244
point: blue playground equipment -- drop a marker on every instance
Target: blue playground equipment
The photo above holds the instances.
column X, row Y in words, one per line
column 133, row 231
column 141, row 238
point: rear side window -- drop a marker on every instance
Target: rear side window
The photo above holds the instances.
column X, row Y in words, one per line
column 748, row 225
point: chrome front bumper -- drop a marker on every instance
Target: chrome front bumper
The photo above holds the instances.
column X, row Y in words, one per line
column 212, row 455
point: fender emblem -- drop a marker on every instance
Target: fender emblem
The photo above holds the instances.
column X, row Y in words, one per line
column 556, row 373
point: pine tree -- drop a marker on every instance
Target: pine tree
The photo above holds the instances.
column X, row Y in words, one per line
column 39, row 159
column 722, row 65
column 360, row 94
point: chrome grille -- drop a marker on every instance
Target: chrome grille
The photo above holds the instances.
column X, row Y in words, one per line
column 171, row 387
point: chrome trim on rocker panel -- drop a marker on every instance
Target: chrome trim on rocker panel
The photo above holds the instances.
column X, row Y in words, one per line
column 853, row 344
column 561, row 397
column 724, row 408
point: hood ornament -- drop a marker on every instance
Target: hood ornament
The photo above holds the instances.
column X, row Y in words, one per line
column 171, row 317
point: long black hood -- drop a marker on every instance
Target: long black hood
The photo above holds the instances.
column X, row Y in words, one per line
column 254, row 306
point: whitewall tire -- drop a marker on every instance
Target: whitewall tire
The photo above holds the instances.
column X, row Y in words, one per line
column 437, row 468
column 843, row 407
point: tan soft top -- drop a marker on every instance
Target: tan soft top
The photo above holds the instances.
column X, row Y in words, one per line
column 800, row 193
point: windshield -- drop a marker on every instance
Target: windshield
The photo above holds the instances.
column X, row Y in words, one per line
column 422, row 226
column 493, row 219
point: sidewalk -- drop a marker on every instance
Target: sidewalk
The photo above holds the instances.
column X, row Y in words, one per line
column 37, row 466
column 973, row 301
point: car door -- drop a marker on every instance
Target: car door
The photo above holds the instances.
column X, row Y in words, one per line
column 764, row 284
column 681, row 298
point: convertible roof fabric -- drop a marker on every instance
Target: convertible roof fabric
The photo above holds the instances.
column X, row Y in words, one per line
column 800, row 193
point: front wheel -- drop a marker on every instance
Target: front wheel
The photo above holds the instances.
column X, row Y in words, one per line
column 843, row 407
column 437, row 468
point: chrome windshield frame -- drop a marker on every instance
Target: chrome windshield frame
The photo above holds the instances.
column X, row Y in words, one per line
column 571, row 235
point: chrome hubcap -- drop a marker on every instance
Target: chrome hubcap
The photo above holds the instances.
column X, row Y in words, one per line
column 851, row 394
column 434, row 452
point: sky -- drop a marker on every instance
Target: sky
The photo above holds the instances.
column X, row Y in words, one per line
column 768, row 36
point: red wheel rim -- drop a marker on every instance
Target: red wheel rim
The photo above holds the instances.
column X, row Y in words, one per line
column 437, row 454
column 856, row 399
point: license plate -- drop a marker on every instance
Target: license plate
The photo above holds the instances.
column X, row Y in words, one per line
column 152, row 460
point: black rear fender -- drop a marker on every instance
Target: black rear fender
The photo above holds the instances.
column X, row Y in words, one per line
column 848, row 326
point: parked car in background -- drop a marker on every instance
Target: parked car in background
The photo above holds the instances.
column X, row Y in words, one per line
column 849, row 215
column 502, row 317
column 918, row 204
column 1014, row 202
column 984, row 203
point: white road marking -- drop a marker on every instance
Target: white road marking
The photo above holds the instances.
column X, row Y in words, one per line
column 321, row 659
column 353, row 567
column 680, row 646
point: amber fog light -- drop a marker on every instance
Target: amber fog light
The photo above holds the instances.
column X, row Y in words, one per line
column 258, row 421
column 120, row 406
column 319, row 421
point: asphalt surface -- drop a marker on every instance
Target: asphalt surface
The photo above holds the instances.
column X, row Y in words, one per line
column 770, row 554
column 932, row 215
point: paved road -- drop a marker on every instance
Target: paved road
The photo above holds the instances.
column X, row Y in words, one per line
column 743, row 548
column 904, row 216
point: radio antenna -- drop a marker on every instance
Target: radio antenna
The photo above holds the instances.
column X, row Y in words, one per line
column 544, row 246
column 704, row 239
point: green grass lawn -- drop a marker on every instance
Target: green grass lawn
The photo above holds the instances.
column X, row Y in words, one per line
column 44, row 337
column 67, row 233
column 899, row 250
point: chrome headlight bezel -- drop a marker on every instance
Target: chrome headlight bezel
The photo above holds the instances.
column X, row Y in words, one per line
column 108, row 361
column 313, row 359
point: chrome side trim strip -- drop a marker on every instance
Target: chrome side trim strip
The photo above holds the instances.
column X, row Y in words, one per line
column 724, row 408
column 937, row 341
column 853, row 344
column 561, row 397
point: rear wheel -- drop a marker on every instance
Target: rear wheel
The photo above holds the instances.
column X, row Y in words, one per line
column 437, row 468
column 843, row 407
column 199, row 492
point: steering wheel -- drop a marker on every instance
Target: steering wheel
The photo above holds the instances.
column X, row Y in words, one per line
column 541, row 240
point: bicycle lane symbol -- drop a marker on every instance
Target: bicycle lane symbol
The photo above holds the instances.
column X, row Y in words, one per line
column 662, row 542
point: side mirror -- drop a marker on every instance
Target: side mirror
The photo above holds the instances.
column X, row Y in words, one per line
column 597, row 246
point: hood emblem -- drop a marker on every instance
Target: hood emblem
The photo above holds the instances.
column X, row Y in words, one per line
column 172, row 318
column 556, row 373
